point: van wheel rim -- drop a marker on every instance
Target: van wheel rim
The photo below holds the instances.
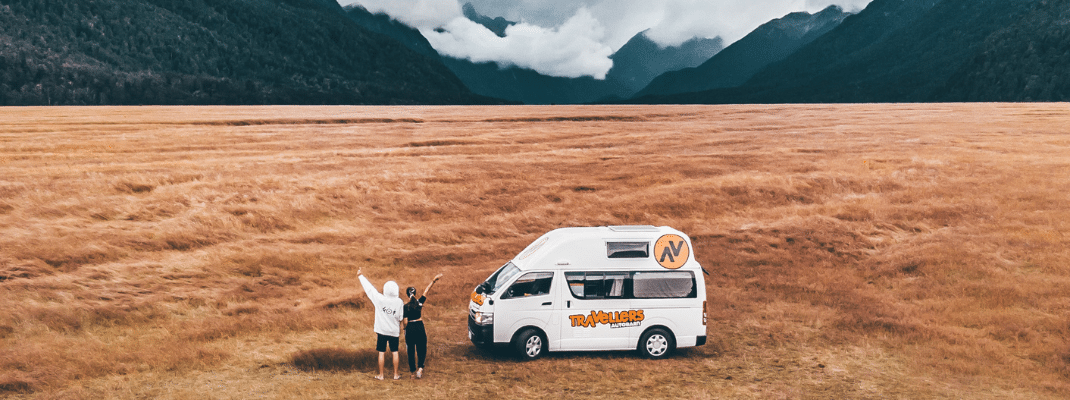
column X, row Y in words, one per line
column 533, row 346
column 656, row 345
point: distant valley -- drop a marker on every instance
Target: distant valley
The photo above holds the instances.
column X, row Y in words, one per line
column 112, row 52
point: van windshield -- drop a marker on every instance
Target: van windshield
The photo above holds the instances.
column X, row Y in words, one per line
column 499, row 278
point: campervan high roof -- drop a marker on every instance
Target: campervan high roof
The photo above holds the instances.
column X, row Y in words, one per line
column 609, row 248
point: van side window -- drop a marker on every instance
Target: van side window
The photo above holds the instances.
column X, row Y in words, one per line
column 588, row 285
column 663, row 284
column 576, row 284
column 614, row 284
column 631, row 285
column 627, row 249
column 531, row 284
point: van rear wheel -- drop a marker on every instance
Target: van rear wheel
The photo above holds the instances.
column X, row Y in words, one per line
column 530, row 344
column 656, row 343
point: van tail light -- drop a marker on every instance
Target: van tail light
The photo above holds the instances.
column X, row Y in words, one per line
column 704, row 312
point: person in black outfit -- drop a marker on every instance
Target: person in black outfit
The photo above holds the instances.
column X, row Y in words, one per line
column 415, row 334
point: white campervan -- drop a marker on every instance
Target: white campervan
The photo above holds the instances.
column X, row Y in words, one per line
column 596, row 288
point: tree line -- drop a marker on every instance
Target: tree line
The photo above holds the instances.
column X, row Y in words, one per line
column 95, row 52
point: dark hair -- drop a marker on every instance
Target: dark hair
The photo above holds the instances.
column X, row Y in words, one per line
column 413, row 305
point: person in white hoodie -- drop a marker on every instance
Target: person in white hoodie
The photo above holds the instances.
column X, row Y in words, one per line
column 388, row 314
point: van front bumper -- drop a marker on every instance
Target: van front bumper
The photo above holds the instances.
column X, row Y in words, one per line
column 481, row 335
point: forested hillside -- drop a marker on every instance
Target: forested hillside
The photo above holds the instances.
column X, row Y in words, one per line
column 919, row 51
column 1020, row 62
column 208, row 52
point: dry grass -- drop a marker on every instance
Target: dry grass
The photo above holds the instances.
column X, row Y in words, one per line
column 855, row 251
column 337, row 359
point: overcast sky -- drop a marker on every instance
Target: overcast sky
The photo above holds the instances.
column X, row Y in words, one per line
column 575, row 38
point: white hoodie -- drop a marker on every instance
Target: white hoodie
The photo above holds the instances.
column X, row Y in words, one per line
column 388, row 307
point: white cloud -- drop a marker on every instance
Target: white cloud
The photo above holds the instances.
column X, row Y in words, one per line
column 576, row 37
column 417, row 13
column 572, row 50
column 848, row 5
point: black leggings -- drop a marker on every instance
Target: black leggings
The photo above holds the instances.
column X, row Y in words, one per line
column 416, row 344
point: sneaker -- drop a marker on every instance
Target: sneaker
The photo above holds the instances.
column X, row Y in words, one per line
column 420, row 373
column 378, row 377
column 396, row 377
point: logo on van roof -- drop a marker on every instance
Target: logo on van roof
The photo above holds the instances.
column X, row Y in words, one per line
column 532, row 248
column 671, row 251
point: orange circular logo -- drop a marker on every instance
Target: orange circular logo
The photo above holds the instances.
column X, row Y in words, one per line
column 671, row 251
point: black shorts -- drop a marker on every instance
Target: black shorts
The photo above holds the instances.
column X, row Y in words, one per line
column 380, row 344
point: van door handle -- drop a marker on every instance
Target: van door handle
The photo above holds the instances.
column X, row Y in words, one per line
column 548, row 303
column 568, row 304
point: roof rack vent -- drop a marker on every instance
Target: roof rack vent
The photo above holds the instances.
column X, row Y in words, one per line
column 633, row 228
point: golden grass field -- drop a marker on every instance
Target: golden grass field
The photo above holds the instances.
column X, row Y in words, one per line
column 855, row 251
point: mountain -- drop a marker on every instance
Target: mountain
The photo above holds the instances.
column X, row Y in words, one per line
column 528, row 86
column 510, row 83
column 522, row 84
column 385, row 25
column 641, row 60
column 1026, row 61
column 208, row 52
column 914, row 51
column 496, row 25
column 635, row 64
column 738, row 62
column 513, row 84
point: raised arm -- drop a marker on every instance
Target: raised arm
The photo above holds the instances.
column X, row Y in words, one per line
column 428, row 290
column 369, row 289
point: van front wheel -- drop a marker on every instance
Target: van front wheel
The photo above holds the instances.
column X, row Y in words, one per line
column 530, row 344
column 656, row 343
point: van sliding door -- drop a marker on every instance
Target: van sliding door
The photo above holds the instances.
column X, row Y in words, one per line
column 598, row 314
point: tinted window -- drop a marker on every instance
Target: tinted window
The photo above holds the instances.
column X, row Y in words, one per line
column 590, row 285
column 531, row 284
column 627, row 249
column 663, row 284
column 576, row 284
column 613, row 284
column 629, row 285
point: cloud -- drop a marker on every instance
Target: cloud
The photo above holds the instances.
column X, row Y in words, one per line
column 417, row 13
column 576, row 37
column 672, row 21
column 853, row 6
column 572, row 50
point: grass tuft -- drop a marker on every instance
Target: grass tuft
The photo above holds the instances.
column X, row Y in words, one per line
column 356, row 302
column 17, row 382
column 26, row 269
column 134, row 187
column 338, row 359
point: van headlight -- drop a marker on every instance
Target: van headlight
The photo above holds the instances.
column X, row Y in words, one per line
column 483, row 318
